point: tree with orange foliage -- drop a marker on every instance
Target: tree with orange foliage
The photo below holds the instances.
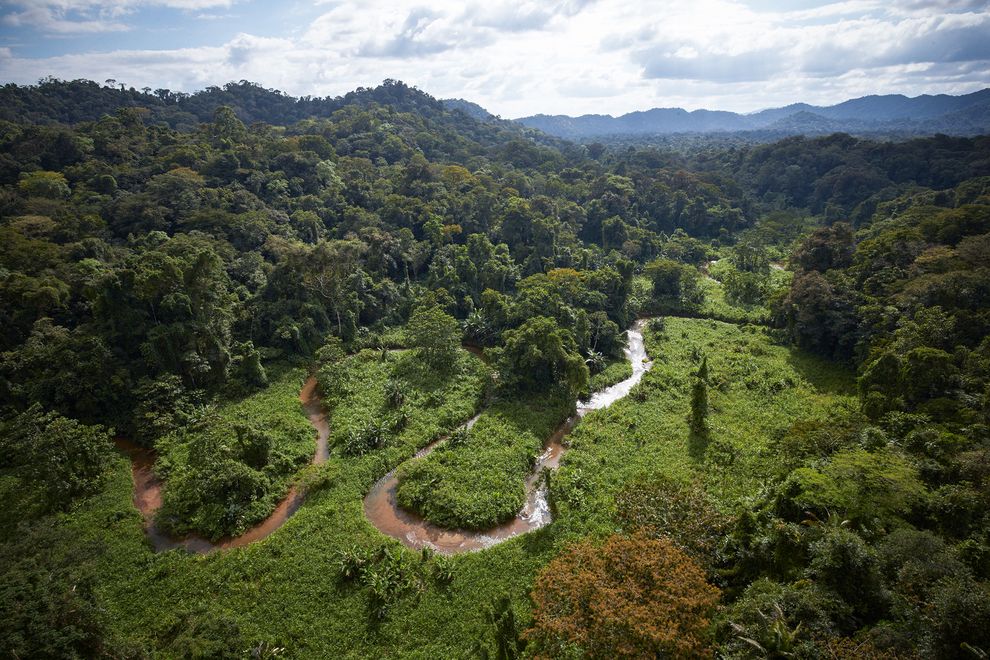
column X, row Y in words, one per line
column 628, row 597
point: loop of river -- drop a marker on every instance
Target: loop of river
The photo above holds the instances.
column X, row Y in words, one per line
column 380, row 505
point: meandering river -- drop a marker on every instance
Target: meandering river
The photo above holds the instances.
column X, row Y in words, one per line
column 380, row 504
column 148, row 488
column 382, row 509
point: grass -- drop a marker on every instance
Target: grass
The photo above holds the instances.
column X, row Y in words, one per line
column 717, row 306
column 479, row 481
column 756, row 388
column 284, row 590
column 615, row 371
column 415, row 404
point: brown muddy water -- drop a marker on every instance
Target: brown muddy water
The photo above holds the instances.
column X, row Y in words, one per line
column 148, row 488
column 382, row 509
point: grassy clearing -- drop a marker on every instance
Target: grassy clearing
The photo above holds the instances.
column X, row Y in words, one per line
column 756, row 389
column 284, row 590
column 392, row 395
column 478, row 480
column 230, row 470
column 716, row 306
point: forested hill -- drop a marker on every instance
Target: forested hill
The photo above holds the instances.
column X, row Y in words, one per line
column 70, row 102
column 892, row 116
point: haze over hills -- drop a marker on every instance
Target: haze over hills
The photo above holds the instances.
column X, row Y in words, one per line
column 893, row 114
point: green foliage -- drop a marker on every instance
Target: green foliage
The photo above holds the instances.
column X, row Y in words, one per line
column 159, row 251
column 373, row 435
column 49, row 603
column 246, row 369
column 363, row 418
column 541, row 356
column 780, row 620
column 613, row 372
column 436, row 335
column 927, row 372
column 698, row 431
column 330, row 365
column 201, row 633
column 746, row 287
column 164, row 405
column 51, row 185
column 479, row 481
column 826, row 248
column 959, row 611
column 58, row 456
column 843, row 562
column 819, row 315
column 861, row 486
column 676, row 286
column 386, row 573
column 684, row 513
column 230, row 469
column 65, row 370
column 506, row 643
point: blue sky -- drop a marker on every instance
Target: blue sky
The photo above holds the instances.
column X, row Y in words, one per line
column 515, row 57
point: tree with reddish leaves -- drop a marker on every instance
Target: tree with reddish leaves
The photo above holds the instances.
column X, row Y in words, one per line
column 627, row 597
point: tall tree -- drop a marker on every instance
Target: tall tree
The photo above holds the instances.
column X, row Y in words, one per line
column 628, row 597
column 435, row 333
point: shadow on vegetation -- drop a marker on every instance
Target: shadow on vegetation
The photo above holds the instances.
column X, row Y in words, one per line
column 825, row 376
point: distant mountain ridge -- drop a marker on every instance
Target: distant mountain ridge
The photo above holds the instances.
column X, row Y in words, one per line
column 968, row 114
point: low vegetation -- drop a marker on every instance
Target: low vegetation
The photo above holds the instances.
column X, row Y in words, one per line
column 389, row 404
column 479, row 480
column 230, row 468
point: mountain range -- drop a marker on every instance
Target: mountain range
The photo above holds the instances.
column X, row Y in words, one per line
column 968, row 114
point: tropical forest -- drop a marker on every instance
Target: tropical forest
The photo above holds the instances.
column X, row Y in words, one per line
column 381, row 376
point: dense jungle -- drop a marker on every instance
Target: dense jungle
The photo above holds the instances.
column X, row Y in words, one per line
column 367, row 376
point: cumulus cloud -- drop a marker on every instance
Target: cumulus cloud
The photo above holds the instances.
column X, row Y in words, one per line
column 566, row 56
column 798, row 46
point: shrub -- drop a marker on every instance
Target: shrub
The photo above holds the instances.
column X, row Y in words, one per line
column 699, row 434
column 369, row 437
column 386, row 573
column 844, row 563
column 779, row 620
column 960, row 609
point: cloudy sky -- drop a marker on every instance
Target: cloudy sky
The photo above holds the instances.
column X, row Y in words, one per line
column 515, row 57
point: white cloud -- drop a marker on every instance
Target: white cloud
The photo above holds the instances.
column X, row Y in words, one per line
column 90, row 16
column 572, row 56
column 54, row 21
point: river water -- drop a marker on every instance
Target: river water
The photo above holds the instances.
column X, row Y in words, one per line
column 380, row 504
column 383, row 511
column 148, row 488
